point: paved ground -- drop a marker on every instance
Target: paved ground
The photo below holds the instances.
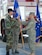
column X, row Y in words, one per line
column 23, row 51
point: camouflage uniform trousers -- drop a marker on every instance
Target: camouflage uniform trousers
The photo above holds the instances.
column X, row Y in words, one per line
column 9, row 42
column 15, row 40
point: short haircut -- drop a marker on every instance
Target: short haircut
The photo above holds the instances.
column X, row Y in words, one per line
column 32, row 13
column 9, row 10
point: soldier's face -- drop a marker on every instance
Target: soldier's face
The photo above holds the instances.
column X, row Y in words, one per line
column 11, row 13
column 31, row 16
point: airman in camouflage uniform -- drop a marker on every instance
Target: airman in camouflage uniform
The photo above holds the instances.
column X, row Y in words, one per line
column 31, row 32
column 16, row 31
column 12, row 33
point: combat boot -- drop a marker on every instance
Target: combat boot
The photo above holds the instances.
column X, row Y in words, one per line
column 7, row 53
